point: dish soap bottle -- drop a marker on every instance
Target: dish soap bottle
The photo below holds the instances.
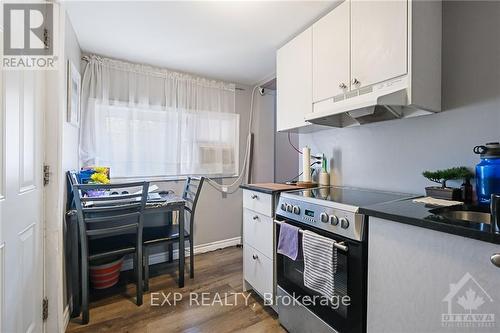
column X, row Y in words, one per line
column 324, row 177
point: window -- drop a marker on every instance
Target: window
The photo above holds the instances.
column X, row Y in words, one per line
column 141, row 141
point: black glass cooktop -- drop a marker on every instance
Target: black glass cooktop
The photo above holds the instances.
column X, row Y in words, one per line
column 351, row 196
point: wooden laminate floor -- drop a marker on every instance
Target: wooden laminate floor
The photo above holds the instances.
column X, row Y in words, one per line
column 217, row 274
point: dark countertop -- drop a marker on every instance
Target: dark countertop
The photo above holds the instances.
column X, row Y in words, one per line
column 270, row 188
column 422, row 215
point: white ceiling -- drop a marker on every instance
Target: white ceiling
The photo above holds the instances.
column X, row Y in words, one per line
column 232, row 41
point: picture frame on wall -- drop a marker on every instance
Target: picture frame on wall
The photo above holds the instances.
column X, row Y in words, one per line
column 73, row 94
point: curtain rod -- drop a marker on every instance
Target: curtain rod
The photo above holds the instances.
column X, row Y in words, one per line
column 157, row 71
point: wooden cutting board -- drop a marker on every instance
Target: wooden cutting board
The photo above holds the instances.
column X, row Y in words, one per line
column 277, row 187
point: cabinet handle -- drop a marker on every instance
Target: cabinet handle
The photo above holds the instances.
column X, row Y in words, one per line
column 254, row 196
column 355, row 81
column 495, row 259
column 342, row 85
column 255, row 217
column 255, row 257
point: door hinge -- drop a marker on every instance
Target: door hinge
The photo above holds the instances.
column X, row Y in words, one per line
column 46, row 40
column 46, row 175
column 45, row 308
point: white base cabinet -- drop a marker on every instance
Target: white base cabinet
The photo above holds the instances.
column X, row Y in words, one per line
column 258, row 243
column 421, row 280
column 258, row 272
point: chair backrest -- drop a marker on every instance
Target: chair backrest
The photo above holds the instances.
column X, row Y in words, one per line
column 72, row 179
column 110, row 215
column 191, row 194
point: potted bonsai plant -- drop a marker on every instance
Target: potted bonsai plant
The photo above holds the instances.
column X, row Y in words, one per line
column 441, row 177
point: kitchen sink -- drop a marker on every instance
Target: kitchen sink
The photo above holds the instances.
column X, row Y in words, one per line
column 465, row 213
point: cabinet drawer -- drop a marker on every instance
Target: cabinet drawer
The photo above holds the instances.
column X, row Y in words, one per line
column 258, row 270
column 259, row 202
column 258, row 231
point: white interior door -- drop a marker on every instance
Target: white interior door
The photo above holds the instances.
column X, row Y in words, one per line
column 378, row 40
column 21, row 226
column 331, row 53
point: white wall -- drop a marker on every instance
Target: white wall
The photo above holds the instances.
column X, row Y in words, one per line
column 392, row 155
column 60, row 154
column 274, row 158
column 263, row 140
column 70, row 133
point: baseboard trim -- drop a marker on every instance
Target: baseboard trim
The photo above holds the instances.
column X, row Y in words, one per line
column 66, row 318
column 157, row 258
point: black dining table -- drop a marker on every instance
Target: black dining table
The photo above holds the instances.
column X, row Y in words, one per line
column 166, row 206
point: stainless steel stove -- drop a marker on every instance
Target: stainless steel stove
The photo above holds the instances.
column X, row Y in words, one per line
column 332, row 212
column 332, row 208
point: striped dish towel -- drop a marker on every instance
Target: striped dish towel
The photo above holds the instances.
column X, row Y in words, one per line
column 320, row 263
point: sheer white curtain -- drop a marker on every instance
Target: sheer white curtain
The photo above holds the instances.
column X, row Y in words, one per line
column 144, row 122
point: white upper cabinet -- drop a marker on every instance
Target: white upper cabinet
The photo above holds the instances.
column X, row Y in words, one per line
column 365, row 61
column 294, row 82
column 331, row 53
column 378, row 41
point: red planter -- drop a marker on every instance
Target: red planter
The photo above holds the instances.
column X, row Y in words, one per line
column 105, row 275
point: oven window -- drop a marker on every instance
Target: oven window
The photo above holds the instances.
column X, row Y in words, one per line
column 350, row 280
column 291, row 278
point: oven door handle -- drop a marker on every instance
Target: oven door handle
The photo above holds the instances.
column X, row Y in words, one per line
column 339, row 245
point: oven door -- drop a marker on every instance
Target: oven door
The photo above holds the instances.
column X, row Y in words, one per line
column 350, row 280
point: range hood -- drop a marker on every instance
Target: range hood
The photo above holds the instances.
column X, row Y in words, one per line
column 367, row 105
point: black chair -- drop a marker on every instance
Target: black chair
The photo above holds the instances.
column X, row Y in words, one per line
column 169, row 234
column 110, row 226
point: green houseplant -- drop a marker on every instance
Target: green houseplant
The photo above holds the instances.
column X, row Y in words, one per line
column 441, row 177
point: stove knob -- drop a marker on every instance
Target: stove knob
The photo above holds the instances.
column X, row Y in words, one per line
column 334, row 220
column 289, row 208
column 283, row 207
column 344, row 223
column 296, row 210
column 323, row 217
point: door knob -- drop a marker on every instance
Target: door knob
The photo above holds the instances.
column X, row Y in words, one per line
column 495, row 259
column 255, row 257
column 254, row 196
column 355, row 81
column 255, row 217
column 342, row 85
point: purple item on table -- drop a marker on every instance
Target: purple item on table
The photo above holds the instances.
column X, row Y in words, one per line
column 288, row 241
column 95, row 193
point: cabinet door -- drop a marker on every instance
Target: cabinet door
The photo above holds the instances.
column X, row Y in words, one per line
column 258, row 271
column 258, row 231
column 331, row 53
column 378, row 41
column 419, row 280
column 294, row 82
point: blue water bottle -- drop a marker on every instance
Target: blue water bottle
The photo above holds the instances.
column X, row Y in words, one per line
column 487, row 172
